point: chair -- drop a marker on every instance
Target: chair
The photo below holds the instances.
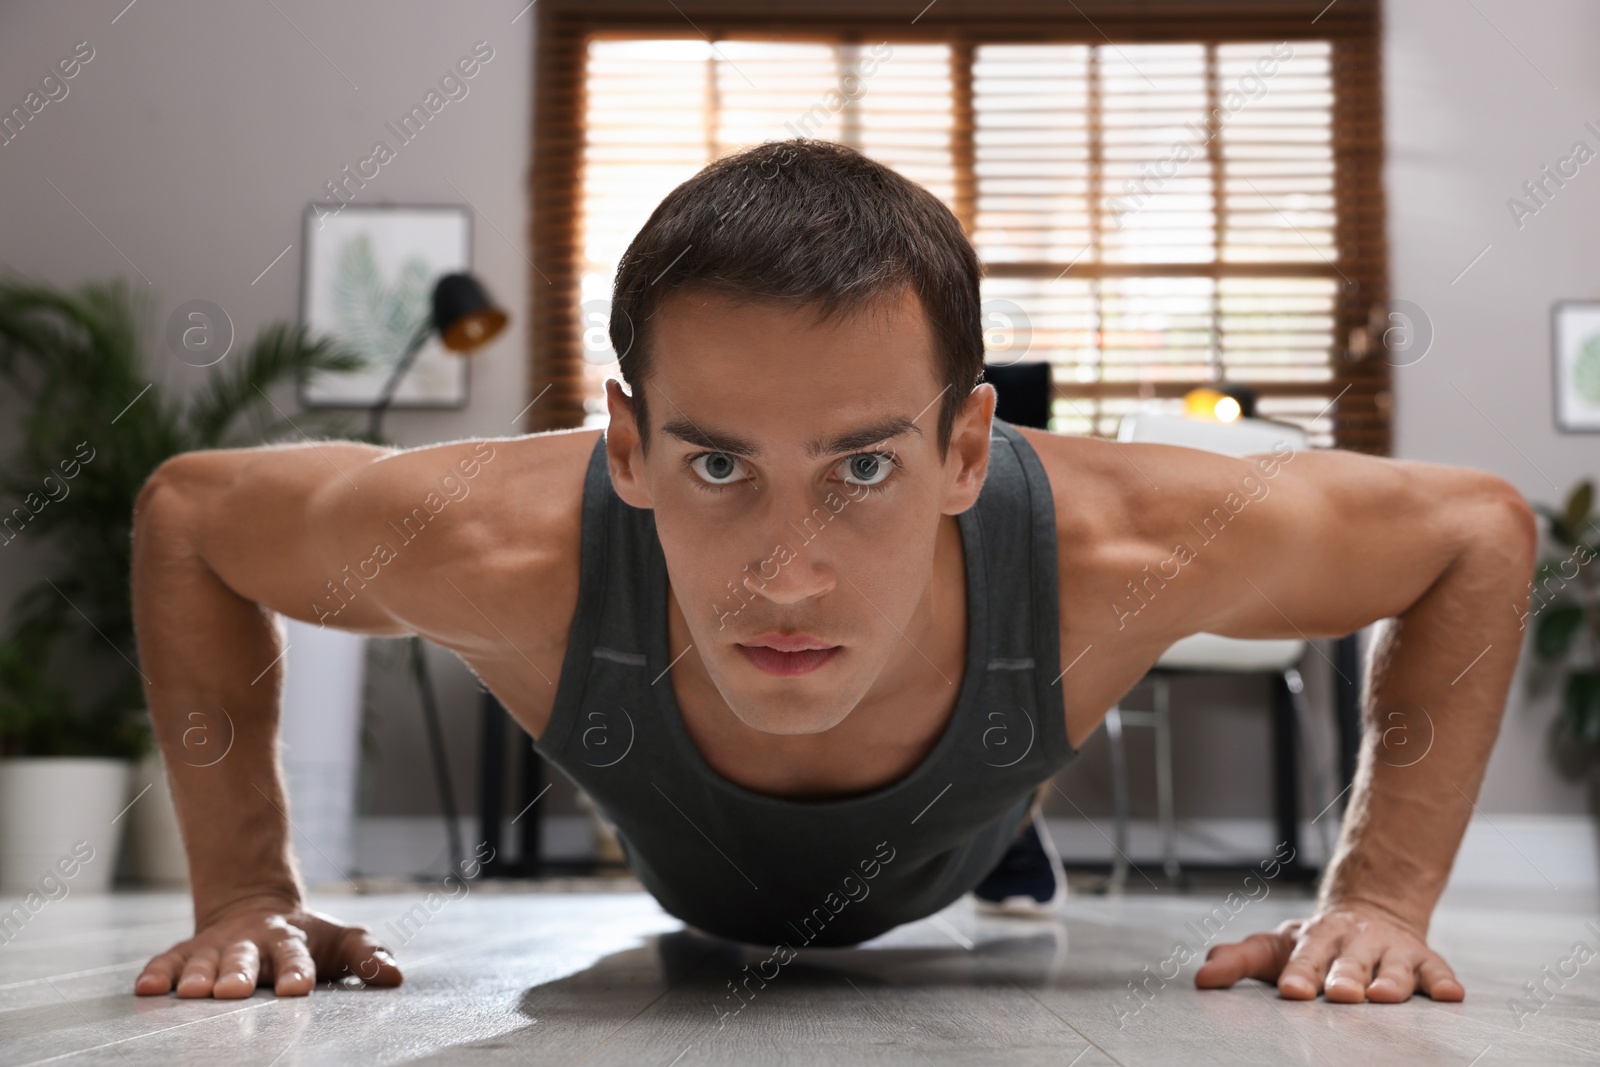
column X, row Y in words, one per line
column 1211, row 653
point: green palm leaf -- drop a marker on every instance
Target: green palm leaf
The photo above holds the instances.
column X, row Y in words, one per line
column 377, row 320
column 280, row 353
column 77, row 360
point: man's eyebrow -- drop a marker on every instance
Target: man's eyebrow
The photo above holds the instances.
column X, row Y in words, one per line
column 856, row 440
column 733, row 445
column 692, row 434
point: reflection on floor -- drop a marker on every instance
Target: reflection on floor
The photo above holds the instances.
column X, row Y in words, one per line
column 533, row 978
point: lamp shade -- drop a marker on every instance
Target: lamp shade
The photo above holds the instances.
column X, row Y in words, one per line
column 463, row 313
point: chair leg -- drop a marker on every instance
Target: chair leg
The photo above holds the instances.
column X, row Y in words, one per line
column 1286, row 776
column 1119, row 795
column 1320, row 791
column 1163, row 725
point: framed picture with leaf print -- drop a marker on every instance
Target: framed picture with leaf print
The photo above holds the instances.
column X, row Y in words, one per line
column 1575, row 336
column 368, row 280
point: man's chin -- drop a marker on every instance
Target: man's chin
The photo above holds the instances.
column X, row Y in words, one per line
column 808, row 703
column 788, row 713
column 789, row 721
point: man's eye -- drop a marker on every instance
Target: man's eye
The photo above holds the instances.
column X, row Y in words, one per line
column 717, row 468
column 868, row 468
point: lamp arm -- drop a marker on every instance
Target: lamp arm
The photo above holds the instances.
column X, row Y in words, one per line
column 418, row 339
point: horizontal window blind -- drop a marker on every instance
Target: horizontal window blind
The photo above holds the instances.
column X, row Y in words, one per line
column 657, row 110
column 1151, row 214
column 1162, row 213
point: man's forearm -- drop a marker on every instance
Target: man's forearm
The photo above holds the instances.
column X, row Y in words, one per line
column 204, row 652
column 1438, row 684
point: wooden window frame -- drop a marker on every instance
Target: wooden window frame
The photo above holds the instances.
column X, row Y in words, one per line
column 1359, row 393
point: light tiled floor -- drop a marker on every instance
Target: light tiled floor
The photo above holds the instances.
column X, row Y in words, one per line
column 553, row 978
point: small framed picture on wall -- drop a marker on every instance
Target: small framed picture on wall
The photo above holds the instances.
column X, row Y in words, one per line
column 368, row 281
column 1575, row 342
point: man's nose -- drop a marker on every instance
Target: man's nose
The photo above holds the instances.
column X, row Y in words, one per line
column 805, row 575
column 799, row 566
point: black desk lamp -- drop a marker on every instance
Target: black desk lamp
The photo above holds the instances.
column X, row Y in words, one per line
column 466, row 320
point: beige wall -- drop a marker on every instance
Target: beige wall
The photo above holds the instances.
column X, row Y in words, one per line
column 194, row 139
column 1474, row 111
column 195, row 136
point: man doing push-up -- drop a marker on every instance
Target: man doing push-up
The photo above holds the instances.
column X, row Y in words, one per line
column 770, row 619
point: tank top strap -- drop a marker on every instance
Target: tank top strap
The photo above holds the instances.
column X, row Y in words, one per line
column 613, row 570
column 1017, row 513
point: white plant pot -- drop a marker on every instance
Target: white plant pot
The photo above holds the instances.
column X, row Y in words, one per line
column 61, row 813
column 319, row 734
column 155, row 842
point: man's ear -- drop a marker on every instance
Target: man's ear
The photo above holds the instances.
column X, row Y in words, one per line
column 968, row 458
column 624, row 450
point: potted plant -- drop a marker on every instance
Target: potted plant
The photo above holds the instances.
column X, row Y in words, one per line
column 93, row 428
column 73, row 782
column 1564, row 608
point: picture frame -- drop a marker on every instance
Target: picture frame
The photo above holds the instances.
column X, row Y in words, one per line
column 367, row 279
column 1575, row 351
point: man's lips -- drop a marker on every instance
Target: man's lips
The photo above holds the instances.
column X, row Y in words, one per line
column 799, row 642
column 788, row 654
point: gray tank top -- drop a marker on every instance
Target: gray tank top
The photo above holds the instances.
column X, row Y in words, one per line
column 768, row 870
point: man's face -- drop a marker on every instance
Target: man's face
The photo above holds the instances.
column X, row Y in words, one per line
column 795, row 475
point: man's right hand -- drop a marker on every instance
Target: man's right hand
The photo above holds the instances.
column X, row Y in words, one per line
column 267, row 941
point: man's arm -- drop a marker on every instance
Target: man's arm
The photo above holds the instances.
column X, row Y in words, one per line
column 224, row 541
column 1319, row 544
column 1436, row 692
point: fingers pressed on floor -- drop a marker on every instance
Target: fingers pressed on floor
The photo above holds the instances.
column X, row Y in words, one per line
column 1351, row 973
column 367, row 958
column 1396, row 979
column 1438, row 981
column 1302, row 975
column 294, row 973
column 199, row 972
column 160, row 974
column 1257, row 956
column 237, row 971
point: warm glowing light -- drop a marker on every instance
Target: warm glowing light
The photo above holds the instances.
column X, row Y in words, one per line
column 1201, row 403
column 1211, row 405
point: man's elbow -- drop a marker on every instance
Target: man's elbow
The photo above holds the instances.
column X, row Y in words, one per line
column 1512, row 522
column 157, row 488
column 166, row 493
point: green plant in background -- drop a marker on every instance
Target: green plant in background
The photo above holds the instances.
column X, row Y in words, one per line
column 93, row 427
column 1566, row 604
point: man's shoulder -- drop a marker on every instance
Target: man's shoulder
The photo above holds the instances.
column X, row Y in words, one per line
column 1121, row 507
column 498, row 582
column 526, row 510
column 1123, row 493
column 1099, row 492
column 468, row 520
column 491, row 487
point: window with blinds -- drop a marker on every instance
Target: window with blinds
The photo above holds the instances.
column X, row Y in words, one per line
column 658, row 110
column 1151, row 215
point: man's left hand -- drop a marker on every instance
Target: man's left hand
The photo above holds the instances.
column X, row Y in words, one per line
column 1354, row 952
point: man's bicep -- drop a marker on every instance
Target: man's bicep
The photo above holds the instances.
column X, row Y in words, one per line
column 1330, row 541
column 273, row 520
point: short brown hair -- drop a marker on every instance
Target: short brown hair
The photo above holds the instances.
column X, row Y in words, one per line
column 807, row 223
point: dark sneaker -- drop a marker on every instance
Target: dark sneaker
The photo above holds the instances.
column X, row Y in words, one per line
column 1029, row 879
